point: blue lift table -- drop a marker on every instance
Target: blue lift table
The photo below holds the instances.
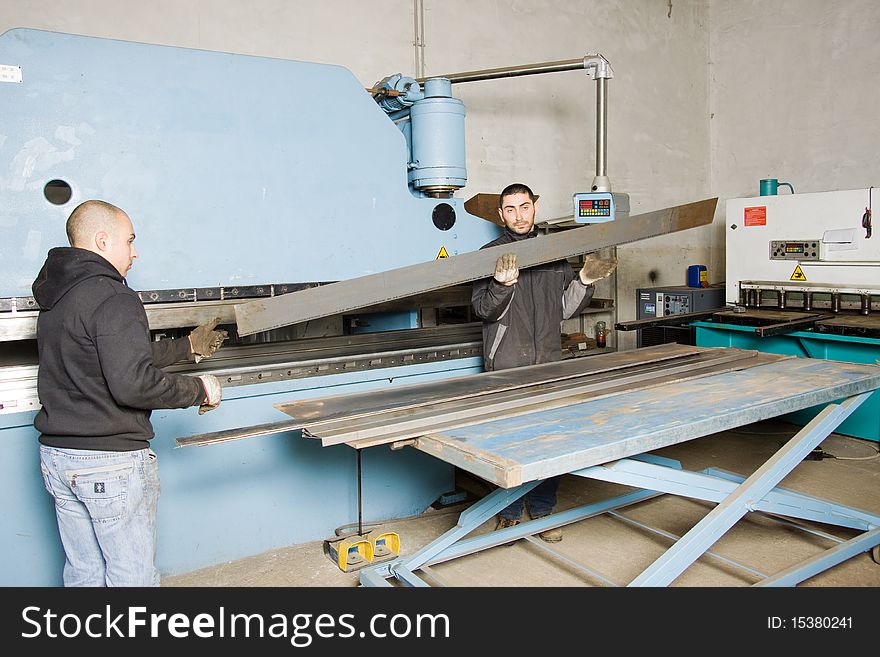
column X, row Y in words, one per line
column 609, row 439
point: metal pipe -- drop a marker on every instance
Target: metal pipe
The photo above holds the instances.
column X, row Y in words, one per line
column 866, row 304
column 601, row 130
column 419, row 35
column 589, row 61
column 360, row 503
column 808, row 300
column 599, row 69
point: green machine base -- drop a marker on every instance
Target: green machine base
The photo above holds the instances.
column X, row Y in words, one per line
column 865, row 422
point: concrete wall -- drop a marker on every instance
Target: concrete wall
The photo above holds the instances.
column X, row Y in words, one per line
column 794, row 96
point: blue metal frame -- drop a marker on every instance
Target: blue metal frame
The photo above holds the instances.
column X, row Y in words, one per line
column 654, row 475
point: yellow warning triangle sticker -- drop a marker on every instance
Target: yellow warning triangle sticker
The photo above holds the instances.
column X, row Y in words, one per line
column 798, row 274
column 442, row 253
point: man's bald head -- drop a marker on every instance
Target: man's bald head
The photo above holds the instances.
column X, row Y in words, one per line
column 90, row 218
column 102, row 228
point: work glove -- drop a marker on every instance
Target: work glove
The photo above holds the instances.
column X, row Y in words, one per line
column 506, row 271
column 595, row 269
column 204, row 340
column 213, row 393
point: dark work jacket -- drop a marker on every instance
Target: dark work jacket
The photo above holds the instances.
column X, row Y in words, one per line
column 522, row 322
column 99, row 373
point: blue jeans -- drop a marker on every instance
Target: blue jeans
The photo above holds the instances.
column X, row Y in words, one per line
column 541, row 499
column 105, row 504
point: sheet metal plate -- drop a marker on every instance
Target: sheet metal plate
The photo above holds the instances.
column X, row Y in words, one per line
column 511, row 451
column 337, row 298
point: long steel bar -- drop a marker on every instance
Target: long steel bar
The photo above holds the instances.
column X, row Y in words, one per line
column 556, row 554
column 823, row 561
column 787, row 327
column 344, row 296
column 833, row 513
column 469, row 520
column 601, row 129
column 674, row 537
column 464, row 387
column 696, row 485
column 444, row 417
column 492, row 539
column 453, row 543
column 529, row 392
column 516, row 71
column 431, row 574
column 673, row 562
column 667, row 320
column 408, row 577
column 410, row 396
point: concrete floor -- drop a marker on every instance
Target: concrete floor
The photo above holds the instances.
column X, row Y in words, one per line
column 616, row 549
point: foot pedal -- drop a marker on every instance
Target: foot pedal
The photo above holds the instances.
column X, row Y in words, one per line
column 350, row 552
column 385, row 546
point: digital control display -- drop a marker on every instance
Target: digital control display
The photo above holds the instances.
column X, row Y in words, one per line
column 594, row 207
column 794, row 250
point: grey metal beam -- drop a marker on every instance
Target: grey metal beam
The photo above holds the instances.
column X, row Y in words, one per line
column 344, row 296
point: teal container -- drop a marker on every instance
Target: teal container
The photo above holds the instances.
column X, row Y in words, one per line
column 770, row 186
column 864, row 422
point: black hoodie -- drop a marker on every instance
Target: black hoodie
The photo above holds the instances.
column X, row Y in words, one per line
column 522, row 322
column 99, row 374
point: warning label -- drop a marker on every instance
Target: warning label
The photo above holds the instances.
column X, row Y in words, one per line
column 798, row 274
column 442, row 253
column 756, row 216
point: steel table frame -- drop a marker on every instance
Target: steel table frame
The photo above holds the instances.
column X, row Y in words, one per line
column 654, row 476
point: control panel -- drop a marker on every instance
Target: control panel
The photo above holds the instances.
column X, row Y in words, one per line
column 657, row 302
column 594, row 207
column 794, row 249
column 661, row 304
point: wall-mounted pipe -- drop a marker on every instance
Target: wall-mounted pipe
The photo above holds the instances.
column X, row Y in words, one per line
column 598, row 68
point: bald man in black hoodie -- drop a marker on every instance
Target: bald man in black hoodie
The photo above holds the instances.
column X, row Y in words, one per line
column 99, row 379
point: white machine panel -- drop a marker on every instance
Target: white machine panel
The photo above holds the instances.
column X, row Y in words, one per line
column 802, row 238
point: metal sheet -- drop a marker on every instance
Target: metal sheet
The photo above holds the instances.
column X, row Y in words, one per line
column 540, row 445
column 309, row 412
column 392, row 427
column 336, row 298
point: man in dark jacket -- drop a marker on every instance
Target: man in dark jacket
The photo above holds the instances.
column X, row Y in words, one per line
column 98, row 381
column 522, row 312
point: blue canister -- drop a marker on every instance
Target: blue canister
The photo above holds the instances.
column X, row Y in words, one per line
column 698, row 276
